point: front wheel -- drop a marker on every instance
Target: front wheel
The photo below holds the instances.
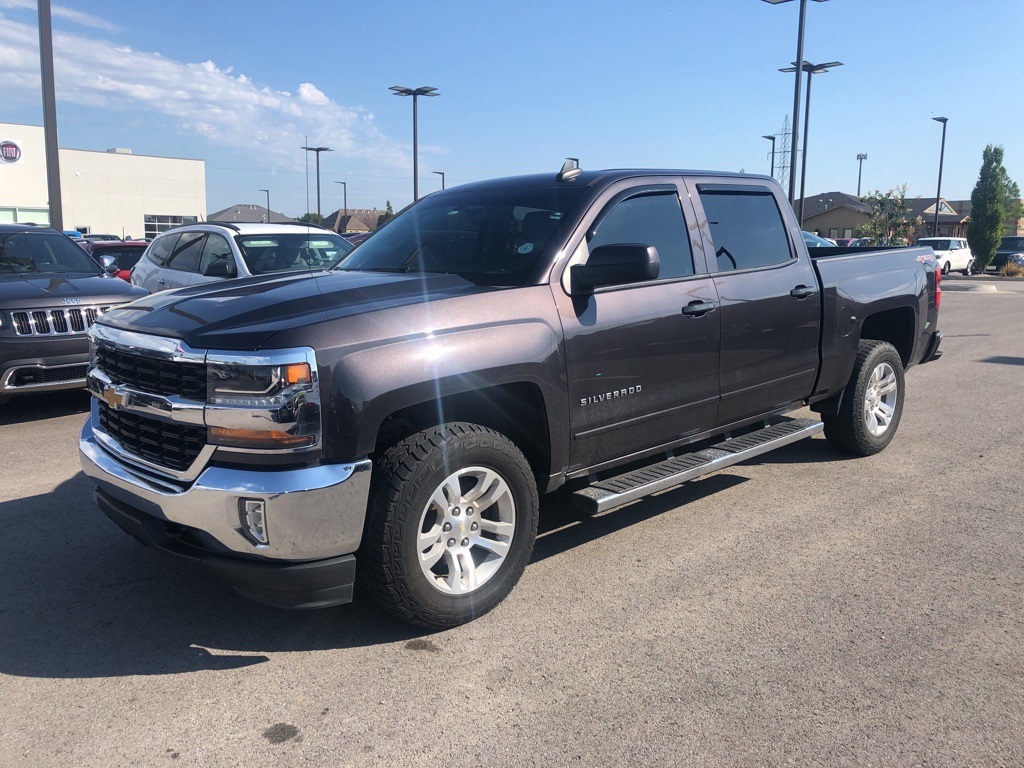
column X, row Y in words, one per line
column 946, row 267
column 872, row 403
column 451, row 525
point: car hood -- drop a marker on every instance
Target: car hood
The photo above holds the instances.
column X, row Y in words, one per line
column 31, row 291
column 244, row 314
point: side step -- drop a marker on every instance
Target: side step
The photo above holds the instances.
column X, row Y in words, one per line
column 622, row 489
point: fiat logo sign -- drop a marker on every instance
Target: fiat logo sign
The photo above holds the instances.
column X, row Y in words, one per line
column 9, row 152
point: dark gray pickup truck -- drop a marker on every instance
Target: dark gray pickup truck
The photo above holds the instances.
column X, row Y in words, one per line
column 394, row 420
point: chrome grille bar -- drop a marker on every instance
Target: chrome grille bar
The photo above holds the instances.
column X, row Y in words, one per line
column 54, row 322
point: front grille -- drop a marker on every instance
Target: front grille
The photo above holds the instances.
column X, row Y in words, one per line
column 148, row 374
column 174, row 446
column 54, row 322
column 36, row 375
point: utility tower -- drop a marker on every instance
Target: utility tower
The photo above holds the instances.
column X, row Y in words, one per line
column 785, row 162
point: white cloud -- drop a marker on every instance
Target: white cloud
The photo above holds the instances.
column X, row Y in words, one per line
column 223, row 107
column 61, row 12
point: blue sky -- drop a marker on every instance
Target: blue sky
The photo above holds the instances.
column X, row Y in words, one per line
column 682, row 84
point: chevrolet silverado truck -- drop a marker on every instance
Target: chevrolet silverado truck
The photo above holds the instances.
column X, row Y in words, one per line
column 50, row 293
column 392, row 422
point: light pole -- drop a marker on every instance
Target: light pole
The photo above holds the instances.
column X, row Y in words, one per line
column 772, row 140
column 861, row 157
column 938, row 190
column 441, row 174
column 796, row 90
column 426, row 90
column 268, row 202
column 810, row 69
column 344, row 188
column 318, row 150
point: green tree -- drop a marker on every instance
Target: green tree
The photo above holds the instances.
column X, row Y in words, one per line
column 995, row 199
column 889, row 224
column 310, row 218
column 389, row 213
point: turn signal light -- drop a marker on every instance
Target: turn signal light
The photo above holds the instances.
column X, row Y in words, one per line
column 259, row 438
column 298, row 373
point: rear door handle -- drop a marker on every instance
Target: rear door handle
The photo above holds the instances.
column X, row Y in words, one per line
column 802, row 292
column 698, row 308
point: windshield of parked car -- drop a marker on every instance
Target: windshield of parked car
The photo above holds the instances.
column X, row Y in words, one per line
column 492, row 237
column 811, row 240
column 292, row 251
column 1012, row 244
column 42, row 253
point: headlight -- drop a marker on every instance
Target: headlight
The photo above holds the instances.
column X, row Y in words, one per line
column 263, row 402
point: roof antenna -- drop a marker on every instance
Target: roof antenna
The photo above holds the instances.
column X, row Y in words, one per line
column 570, row 169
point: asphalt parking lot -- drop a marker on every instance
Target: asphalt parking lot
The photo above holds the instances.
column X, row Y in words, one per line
column 803, row 608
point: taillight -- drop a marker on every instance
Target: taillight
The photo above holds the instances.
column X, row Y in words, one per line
column 938, row 287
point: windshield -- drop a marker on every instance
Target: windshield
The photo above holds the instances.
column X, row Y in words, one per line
column 813, row 241
column 491, row 237
column 292, row 251
column 1012, row 244
column 42, row 253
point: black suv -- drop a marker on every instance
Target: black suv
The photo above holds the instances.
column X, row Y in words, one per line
column 1008, row 246
column 50, row 293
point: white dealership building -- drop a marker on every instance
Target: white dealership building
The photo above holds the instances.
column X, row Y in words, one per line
column 113, row 192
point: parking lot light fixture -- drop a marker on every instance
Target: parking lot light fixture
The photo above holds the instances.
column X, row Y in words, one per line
column 938, row 190
column 796, row 90
column 772, row 140
column 344, row 187
column 810, row 69
column 318, row 150
column 268, row 203
column 441, row 174
column 426, row 90
column 861, row 157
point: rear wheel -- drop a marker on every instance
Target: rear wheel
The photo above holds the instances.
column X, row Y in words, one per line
column 872, row 403
column 451, row 525
column 970, row 268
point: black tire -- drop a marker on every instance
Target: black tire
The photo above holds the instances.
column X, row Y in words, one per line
column 945, row 268
column 407, row 479
column 856, row 428
column 970, row 269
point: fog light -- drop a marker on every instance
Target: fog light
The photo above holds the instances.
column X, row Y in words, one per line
column 254, row 521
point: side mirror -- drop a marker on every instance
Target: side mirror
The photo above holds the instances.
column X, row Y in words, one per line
column 109, row 264
column 220, row 268
column 617, row 265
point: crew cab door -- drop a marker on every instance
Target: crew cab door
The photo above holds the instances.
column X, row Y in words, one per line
column 769, row 295
column 642, row 356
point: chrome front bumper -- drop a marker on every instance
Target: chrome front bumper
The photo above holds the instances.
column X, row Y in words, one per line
column 311, row 513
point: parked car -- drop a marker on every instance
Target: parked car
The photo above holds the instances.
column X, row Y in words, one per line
column 861, row 242
column 102, row 238
column 212, row 251
column 50, row 293
column 952, row 253
column 843, row 241
column 1008, row 246
column 355, row 237
column 812, row 240
column 117, row 257
column 615, row 332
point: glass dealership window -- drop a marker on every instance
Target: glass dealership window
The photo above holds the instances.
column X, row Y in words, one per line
column 155, row 223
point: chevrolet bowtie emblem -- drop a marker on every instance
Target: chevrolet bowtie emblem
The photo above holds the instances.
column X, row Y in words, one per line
column 113, row 398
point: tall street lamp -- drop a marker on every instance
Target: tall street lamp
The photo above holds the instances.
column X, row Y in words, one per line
column 344, row 187
column 268, row 202
column 938, row 190
column 796, row 88
column 861, row 157
column 772, row 140
column 401, row 90
column 318, row 150
column 441, row 174
column 810, row 69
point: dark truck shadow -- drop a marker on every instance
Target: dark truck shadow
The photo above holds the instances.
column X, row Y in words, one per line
column 51, row 405
column 80, row 599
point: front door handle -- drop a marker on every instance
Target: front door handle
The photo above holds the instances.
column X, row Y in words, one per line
column 698, row 308
column 802, row 292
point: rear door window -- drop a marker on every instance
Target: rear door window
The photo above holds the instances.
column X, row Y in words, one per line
column 746, row 225
column 185, row 257
column 162, row 248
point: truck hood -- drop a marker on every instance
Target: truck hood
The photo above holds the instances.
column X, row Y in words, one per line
column 32, row 291
column 243, row 314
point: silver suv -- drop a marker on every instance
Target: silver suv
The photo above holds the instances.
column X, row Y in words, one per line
column 194, row 254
